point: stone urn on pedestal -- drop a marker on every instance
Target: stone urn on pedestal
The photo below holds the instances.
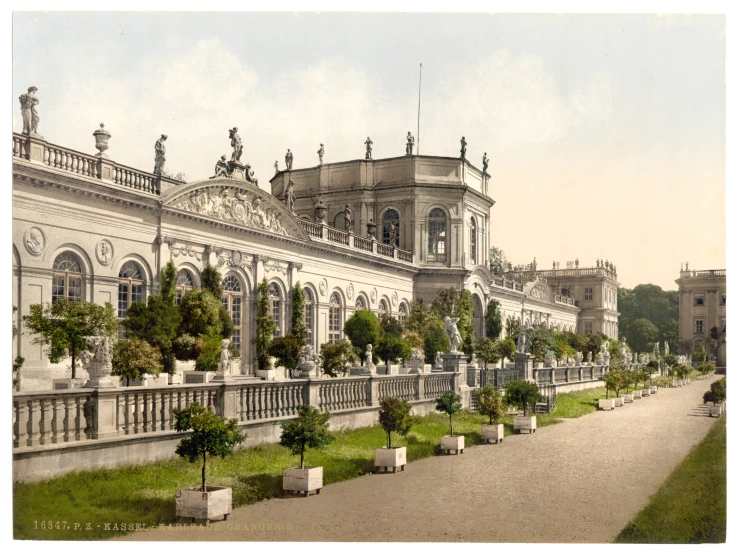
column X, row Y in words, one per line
column 371, row 230
column 98, row 361
column 307, row 362
column 101, row 141
column 320, row 211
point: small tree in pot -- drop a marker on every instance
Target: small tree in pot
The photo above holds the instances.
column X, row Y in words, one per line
column 717, row 395
column 394, row 415
column 212, row 436
column 450, row 403
column 522, row 394
column 491, row 403
column 309, row 430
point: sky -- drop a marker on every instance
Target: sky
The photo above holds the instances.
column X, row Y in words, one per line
column 605, row 133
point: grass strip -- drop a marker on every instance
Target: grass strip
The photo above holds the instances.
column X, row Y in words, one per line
column 690, row 507
column 109, row 502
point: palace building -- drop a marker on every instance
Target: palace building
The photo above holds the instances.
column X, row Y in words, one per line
column 360, row 234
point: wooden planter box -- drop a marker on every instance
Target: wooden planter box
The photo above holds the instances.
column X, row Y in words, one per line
column 305, row 480
column 619, row 402
column 607, row 403
column 524, row 423
column 494, row 432
column 455, row 443
column 654, row 389
column 194, row 503
column 628, row 397
column 391, row 458
column 646, row 392
column 637, row 395
column 716, row 410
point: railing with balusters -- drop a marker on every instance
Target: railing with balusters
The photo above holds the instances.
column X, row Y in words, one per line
column 385, row 249
column 436, row 384
column 341, row 237
column 405, row 388
column 313, row 229
column 363, row 244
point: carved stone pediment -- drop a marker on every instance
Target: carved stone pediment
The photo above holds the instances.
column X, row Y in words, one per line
column 538, row 290
column 240, row 204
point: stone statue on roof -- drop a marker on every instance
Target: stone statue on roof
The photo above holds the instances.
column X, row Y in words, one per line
column 160, row 152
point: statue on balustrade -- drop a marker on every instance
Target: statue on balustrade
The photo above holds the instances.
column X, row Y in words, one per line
column 160, row 157
column 289, row 196
column 523, row 343
column 438, row 362
column 485, row 164
column 666, row 348
column 321, row 151
column 98, row 361
column 452, row 331
column 368, row 143
column 410, row 144
column 589, row 357
column 276, row 167
column 224, row 365
column 288, row 159
column 348, row 222
column 236, row 144
column 463, row 148
column 369, row 359
column 28, row 104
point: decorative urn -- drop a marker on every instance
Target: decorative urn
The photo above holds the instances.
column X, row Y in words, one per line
column 101, row 140
column 320, row 211
column 371, row 229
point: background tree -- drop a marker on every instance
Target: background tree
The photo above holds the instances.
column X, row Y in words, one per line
column 512, row 328
column 200, row 314
column 669, row 331
column 642, row 334
column 465, row 313
column 298, row 314
column 541, row 341
column 212, row 281
column 700, row 355
column 488, row 350
column 265, row 326
column 490, row 403
column 445, row 303
column 211, row 436
column 391, row 346
column 286, row 350
column 62, row 326
column 417, row 320
column 308, row 430
column 493, row 320
column 394, row 415
column 362, row 329
column 647, row 301
column 497, row 260
column 434, row 339
column 337, row 357
column 508, row 348
column 521, row 394
column 134, row 357
column 450, row 404
column 156, row 323
column 168, row 282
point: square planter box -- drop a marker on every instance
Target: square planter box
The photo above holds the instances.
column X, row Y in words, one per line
column 654, row 389
column 194, row 503
column 607, row 403
column 305, row 480
column 495, row 432
column 646, row 392
column 391, row 458
column 716, row 410
column 524, row 423
column 628, row 397
column 455, row 443
column 637, row 395
column 619, row 401
column 674, row 384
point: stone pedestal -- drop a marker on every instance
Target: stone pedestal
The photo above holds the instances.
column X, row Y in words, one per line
column 415, row 366
column 524, row 365
column 103, row 423
column 454, row 362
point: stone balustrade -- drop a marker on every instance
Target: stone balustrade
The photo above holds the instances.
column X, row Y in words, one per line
column 55, row 418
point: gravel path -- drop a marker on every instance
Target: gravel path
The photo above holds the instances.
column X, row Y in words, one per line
column 579, row 481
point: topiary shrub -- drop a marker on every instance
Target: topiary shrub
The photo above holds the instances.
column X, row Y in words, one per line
column 490, row 403
column 521, row 394
column 394, row 415
column 449, row 403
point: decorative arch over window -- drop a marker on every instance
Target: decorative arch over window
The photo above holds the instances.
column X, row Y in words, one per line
column 402, row 313
column 391, row 227
column 473, row 241
column 339, row 222
column 232, row 301
column 360, row 302
column 185, row 282
column 67, row 278
column 130, row 287
column 383, row 308
column 437, row 235
column 274, row 293
column 307, row 316
column 335, row 325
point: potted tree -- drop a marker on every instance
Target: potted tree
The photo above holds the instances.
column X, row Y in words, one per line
column 611, row 384
column 308, row 430
column 394, row 415
column 213, row 436
column 716, row 395
column 522, row 394
column 652, row 367
column 491, row 404
column 645, row 376
column 450, row 403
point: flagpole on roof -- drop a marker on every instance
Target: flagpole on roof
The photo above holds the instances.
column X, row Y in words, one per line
column 420, row 81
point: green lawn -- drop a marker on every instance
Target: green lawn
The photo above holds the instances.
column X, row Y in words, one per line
column 144, row 494
column 690, row 507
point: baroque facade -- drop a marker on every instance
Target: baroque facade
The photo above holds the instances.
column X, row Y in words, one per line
column 702, row 309
column 362, row 234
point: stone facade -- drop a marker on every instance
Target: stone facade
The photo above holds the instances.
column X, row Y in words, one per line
column 89, row 228
column 702, row 306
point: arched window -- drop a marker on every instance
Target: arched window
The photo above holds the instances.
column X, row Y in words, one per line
column 334, row 318
column 383, row 308
column 232, row 302
column 437, row 235
column 307, row 316
column 339, row 222
column 130, row 287
column 275, row 302
column 360, row 303
column 185, row 282
column 67, row 278
column 473, row 241
column 402, row 313
column 391, row 228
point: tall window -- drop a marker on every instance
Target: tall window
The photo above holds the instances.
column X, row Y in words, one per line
column 473, row 240
column 699, row 300
column 722, row 325
column 67, row 278
column 588, row 293
column 275, row 302
column 185, row 282
column 383, row 308
column 334, row 318
column 699, row 326
column 588, row 327
column 339, row 222
column 130, row 287
column 232, row 302
column 402, row 314
column 360, row 303
column 391, row 228
column 437, row 235
column 723, row 300
column 307, row 316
